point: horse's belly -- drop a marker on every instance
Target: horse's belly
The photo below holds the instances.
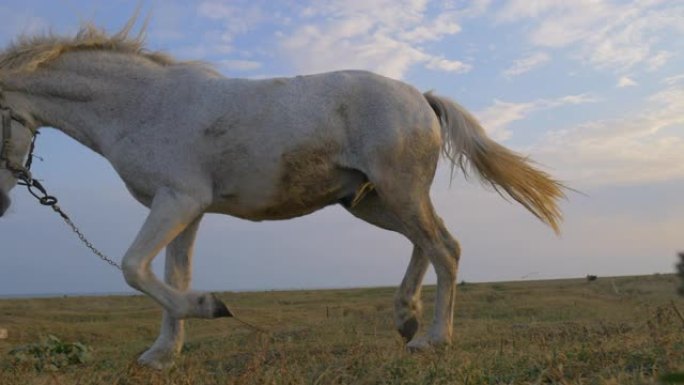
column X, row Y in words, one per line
column 307, row 176
column 295, row 195
column 282, row 205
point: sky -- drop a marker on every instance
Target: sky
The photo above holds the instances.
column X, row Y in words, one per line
column 591, row 90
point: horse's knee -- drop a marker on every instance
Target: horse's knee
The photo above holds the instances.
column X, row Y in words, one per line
column 450, row 243
column 133, row 273
column 401, row 302
column 444, row 260
column 405, row 301
column 454, row 248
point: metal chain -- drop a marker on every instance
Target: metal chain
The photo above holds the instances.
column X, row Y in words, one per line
column 23, row 173
column 82, row 237
column 48, row 200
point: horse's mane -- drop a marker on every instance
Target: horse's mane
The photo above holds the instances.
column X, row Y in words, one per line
column 27, row 53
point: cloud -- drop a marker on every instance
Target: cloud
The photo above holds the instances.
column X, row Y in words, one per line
column 438, row 63
column 640, row 147
column 527, row 64
column 658, row 60
column 444, row 24
column 671, row 80
column 222, row 22
column 626, row 81
column 385, row 36
column 237, row 17
column 612, row 35
column 518, row 9
column 382, row 36
column 497, row 117
column 473, row 8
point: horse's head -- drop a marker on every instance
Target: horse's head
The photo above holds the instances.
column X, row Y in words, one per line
column 15, row 142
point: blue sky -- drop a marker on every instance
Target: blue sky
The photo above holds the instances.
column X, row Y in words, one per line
column 591, row 90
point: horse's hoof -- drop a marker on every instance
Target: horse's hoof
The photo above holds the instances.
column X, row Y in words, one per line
column 220, row 309
column 156, row 359
column 409, row 328
column 420, row 344
column 427, row 343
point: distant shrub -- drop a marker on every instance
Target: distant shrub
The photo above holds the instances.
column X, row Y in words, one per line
column 591, row 278
column 498, row 287
column 51, row 354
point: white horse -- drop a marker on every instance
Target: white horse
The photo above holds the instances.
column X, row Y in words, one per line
column 187, row 141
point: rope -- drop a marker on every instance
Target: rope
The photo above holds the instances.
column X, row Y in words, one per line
column 251, row 326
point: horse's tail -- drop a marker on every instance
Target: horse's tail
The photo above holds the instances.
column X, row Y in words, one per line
column 466, row 143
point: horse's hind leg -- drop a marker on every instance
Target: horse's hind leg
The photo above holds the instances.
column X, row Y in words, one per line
column 402, row 176
column 409, row 211
column 407, row 302
column 177, row 273
column 427, row 232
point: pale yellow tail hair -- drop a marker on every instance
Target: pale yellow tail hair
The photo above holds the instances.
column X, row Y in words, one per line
column 465, row 144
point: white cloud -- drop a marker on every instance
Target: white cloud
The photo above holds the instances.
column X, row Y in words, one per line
column 312, row 50
column 673, row 79
column 439, row 63
column 497, row 117
column 383, row 36
column 605, row 34
column 658, row 60
column 445, row 24
column 235, row 18
column 519, row 9
column 527, row 64
column 570, row 99
column 637, row 148
column 473, row 8
column 626, row 81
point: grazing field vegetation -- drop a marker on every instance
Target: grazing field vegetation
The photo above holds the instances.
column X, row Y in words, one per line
column 626, row 330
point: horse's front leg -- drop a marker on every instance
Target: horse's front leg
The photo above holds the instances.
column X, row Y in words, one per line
column 178, row 273
column 171, row 212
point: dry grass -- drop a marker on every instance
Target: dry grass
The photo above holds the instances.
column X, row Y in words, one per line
column 610, row 331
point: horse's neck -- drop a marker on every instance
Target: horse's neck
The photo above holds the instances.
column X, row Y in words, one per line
column 86, row 95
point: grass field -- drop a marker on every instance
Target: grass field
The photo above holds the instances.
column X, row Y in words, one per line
column 623, row 331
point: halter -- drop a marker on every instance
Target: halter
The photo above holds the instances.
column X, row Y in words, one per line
column 21, row 172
